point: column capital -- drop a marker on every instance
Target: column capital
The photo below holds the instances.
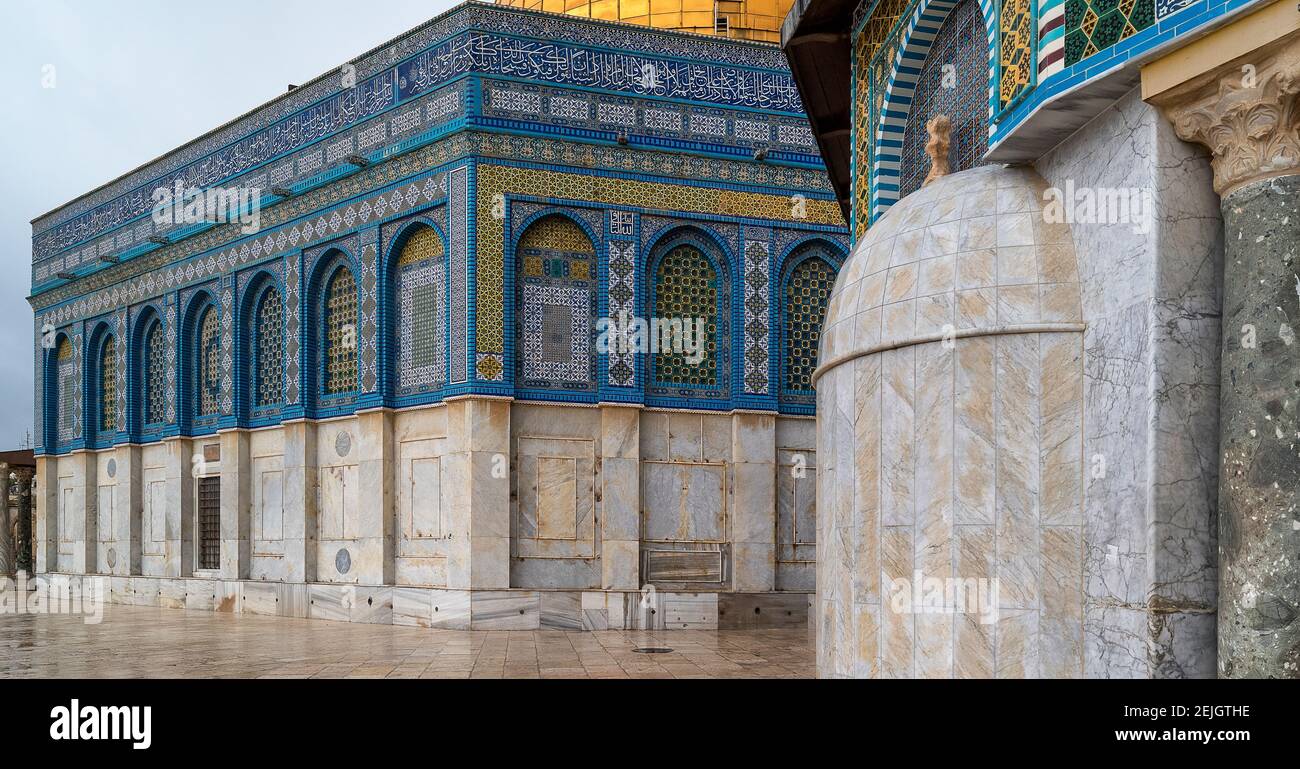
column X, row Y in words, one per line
column 1246, row 112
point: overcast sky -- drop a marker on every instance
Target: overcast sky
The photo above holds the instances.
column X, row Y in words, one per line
column 135, row 79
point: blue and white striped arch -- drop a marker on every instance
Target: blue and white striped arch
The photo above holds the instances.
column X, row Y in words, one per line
column 918, row 35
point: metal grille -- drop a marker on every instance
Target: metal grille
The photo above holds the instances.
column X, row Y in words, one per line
column 155, row 391
column 270, row 353
column 210, row 523
column 67, row 384
column 806, row 296
column 108, row 386
column 209, row 363
column 686, row 290
column 341, row 334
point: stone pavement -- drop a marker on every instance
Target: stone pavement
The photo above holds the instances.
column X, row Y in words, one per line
column 142, row 642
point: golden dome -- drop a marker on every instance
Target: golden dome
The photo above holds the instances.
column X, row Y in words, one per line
column 739, row 19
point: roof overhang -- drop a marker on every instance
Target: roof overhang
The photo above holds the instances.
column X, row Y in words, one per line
column 816, row 38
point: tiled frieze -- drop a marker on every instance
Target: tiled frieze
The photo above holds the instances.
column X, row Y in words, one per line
column 395, row 90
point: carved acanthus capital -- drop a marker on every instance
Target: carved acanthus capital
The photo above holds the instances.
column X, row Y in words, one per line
column 1247, row 114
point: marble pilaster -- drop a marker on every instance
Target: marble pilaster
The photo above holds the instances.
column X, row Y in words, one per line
column 300, row 501
column 236, row 504
column 620, row 449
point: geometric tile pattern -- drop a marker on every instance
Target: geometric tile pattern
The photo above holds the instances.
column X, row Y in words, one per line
column 951, row 83
column 557, row 266
column 173, row 318
column 421, row 312
column 757, row 331
column 227, row 346
column 1016, row 49
column 292, row 348
column 368, row 334
column 1095, row 25
column 874, row 34
column 123, row 349
column 622, row 308
column 67, row 368
column 458, row 210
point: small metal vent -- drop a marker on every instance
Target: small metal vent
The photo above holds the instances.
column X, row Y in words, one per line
column 652, row 650
column 210, row 523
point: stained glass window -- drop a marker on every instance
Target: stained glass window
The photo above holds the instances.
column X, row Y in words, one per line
column 557, row 305
column 269, row 349
column 209, row 363
column 341, row 333
column 807, row 292
column 952, row 82
column 421, row 346
column 155, row 376
column 686, row 291
column 108, row 386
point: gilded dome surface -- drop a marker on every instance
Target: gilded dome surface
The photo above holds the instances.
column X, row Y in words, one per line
column 738, row 19
column 969, row 254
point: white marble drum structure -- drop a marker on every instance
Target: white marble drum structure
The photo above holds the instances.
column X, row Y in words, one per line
column 390, row 401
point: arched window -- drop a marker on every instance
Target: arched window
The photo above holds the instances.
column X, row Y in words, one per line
column 340, row 353
column 66, row 373
column 155, row 375
column 268, row 349
column 208, row 364
column 108, row 386
column 804, row 298
column 953, row 82
column 419, row 323
column 556, row 306
column 686, row 291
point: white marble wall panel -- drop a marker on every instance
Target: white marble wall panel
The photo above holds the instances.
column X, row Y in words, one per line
column 1151, row 297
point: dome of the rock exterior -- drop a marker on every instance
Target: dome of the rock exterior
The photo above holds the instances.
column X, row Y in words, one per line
column 949, row 403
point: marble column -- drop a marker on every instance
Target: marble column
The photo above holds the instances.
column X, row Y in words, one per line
column 6, row 530
column 1246, row 113
column 23, row 549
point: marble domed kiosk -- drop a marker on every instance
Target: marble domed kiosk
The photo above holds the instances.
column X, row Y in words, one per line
column 949, row 402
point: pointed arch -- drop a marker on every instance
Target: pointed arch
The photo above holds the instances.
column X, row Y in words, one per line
column 976, row 89
column 334, row 300
column 201, row 362
column 689, row 301
column 803, row 293
column 101, row 385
